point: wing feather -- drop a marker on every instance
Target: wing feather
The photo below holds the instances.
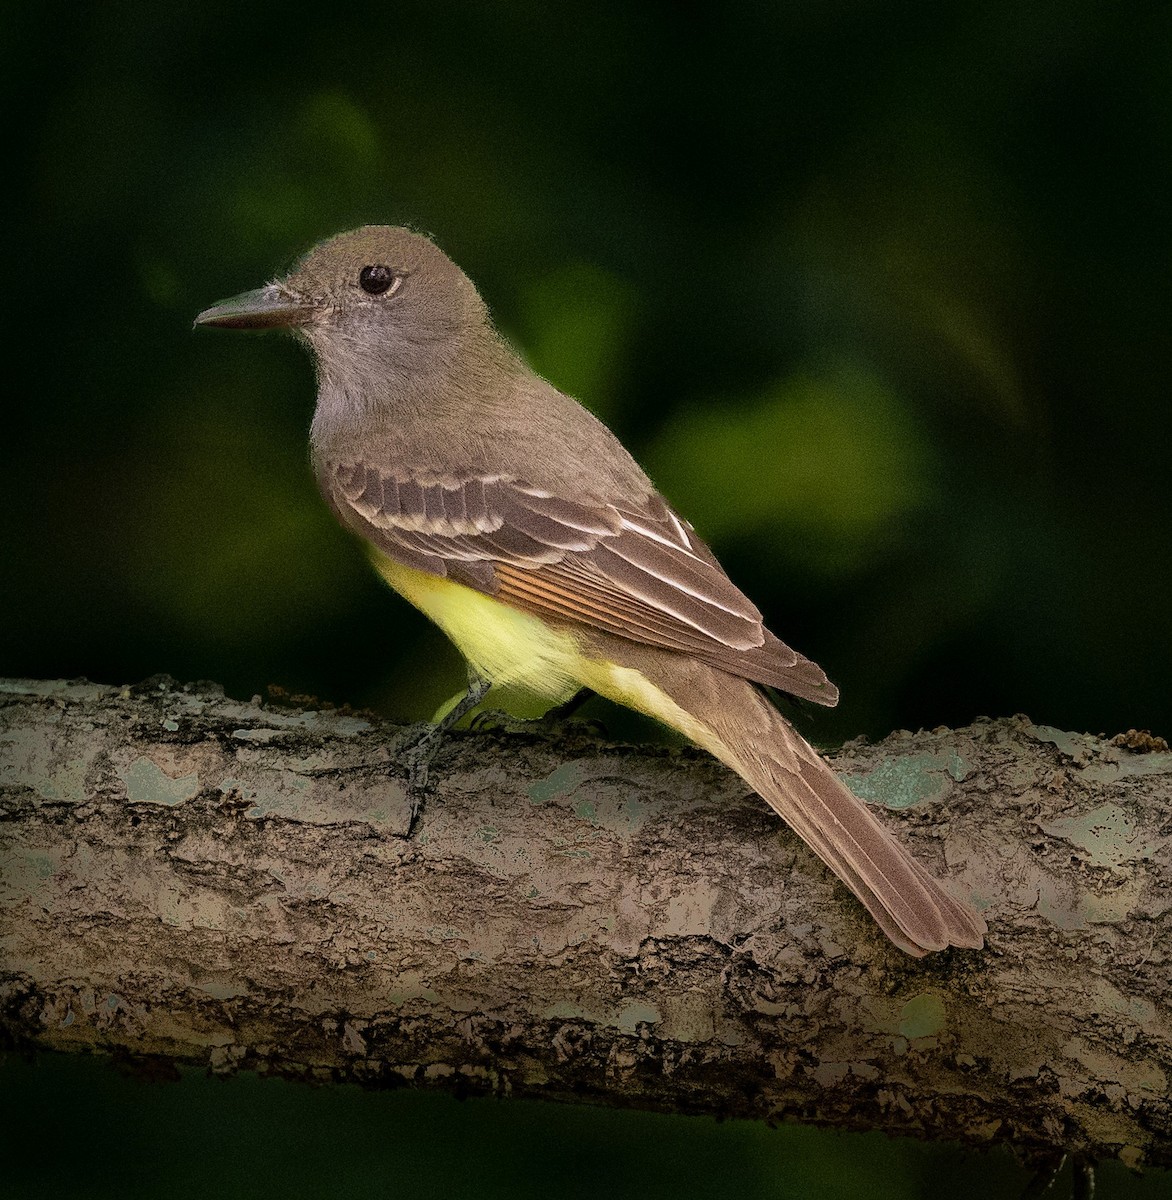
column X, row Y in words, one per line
column 639, row 572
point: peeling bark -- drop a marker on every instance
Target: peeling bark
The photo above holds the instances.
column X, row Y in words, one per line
column 189, row 878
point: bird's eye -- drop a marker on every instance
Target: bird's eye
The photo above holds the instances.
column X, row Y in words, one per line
column 376, row 279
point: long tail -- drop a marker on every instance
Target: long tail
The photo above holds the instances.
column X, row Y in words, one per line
column 915, row 912
column 731, row 719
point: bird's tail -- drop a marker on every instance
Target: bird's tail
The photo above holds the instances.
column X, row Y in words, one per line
column 731, row 719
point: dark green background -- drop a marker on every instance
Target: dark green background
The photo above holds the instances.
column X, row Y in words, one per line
column 878, row 292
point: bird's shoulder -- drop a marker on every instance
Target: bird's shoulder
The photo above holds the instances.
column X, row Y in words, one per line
column 524, row 430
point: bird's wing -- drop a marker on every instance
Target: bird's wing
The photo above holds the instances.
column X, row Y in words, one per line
column 639, row 572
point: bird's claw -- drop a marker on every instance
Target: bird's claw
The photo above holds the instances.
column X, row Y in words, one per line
column 417, row 752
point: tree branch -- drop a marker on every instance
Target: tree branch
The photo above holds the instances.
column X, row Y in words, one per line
column 211, row 882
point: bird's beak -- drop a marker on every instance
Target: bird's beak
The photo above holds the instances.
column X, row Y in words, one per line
column 271, row 307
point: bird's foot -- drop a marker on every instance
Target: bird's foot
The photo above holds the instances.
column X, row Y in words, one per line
column 559, row 719
column 419, row 747
column 416, row 752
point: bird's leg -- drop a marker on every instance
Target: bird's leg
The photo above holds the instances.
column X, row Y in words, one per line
column 567, row 708
column 561, row 713
column 549, row 721
column 419, row 751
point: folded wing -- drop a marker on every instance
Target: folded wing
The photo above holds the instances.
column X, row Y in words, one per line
column 640, row 573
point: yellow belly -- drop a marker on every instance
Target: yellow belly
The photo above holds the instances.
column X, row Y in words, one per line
column 516, row 649
column 509, row 647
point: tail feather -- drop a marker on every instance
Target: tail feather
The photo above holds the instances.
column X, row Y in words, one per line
column 731, row 719
column 909, row 905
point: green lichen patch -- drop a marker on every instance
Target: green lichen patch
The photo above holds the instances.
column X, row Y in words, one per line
column 147, row 783
column 908, row 781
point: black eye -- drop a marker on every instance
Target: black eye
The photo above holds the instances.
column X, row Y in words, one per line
column 375, row 279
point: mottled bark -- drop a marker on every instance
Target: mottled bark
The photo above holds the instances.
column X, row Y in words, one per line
column 219, row 883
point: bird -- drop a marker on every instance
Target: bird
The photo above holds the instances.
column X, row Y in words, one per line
column 516, row 520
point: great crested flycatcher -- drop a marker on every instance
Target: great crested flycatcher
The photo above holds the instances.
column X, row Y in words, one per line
column 516, row 521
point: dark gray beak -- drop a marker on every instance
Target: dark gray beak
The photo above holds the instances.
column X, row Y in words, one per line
column 269, row 307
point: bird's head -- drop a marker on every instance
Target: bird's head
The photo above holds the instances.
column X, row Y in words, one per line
column 374, row 287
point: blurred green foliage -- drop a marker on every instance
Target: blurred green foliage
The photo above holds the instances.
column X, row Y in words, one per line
column 879, row 291
column 827, row 467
